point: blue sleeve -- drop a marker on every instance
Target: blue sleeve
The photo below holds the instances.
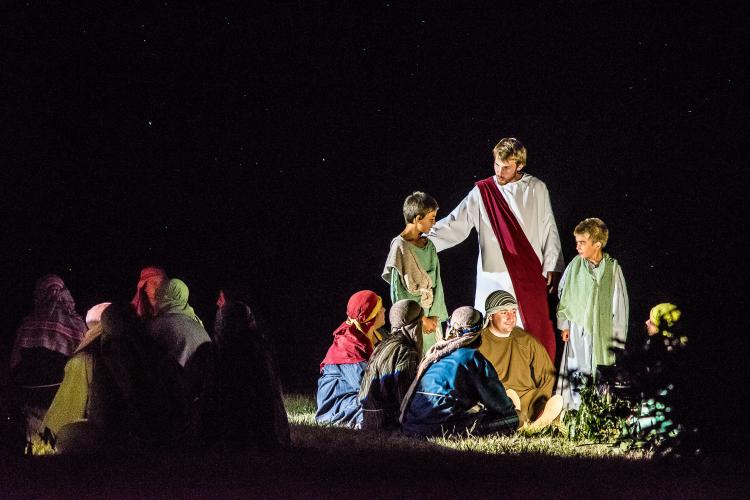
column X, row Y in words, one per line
column 490, row 389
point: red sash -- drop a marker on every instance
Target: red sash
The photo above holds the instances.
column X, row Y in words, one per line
column 523, row 266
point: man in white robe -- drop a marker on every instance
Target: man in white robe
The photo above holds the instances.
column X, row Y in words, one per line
column 528, row 200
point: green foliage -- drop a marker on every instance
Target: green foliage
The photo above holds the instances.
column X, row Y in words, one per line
column 599, row 418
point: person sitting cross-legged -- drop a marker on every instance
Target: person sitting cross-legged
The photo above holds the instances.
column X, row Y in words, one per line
column 345, row 362
column 521, row 362
column 392, row 367
column 456, row 390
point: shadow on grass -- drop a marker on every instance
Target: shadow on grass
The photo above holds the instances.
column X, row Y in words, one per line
column 330, row 462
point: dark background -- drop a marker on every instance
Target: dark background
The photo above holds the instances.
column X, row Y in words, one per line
column 275, row 143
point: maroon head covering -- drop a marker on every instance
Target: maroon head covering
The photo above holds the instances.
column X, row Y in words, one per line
column 54, row 324
column 140, row 301
column 350, row 342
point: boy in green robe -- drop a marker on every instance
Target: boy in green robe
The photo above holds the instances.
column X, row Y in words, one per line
column 593, row 310
column 412, row 268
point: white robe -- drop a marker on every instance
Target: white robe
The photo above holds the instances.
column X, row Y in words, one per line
column 529, row 201
column 577, row 354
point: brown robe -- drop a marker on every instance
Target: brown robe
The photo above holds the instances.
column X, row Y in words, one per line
column 522, row 364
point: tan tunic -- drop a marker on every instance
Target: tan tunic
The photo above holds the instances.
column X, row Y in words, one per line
column 522, row 364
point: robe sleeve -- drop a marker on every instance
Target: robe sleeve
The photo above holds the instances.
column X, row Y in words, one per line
column 491, row 391
column 562, row 322
column 552, row 258
column 455, row 228
column 620, row 310
column 407, row 370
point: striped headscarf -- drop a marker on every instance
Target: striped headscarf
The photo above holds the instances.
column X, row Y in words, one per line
column 499, row 300
column 54, row 324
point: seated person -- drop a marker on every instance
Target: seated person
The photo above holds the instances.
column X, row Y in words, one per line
column 521, row 362
column 176, row 327
column 44, row 342
column 72, row 399
column 342, row 368
column 137, row 397
column 456, row 390
column 246, row 407
column 392, row 367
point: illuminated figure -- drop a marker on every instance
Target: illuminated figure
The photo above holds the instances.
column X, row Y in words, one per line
column 593, row 310
column 345, row 362
column 412, row 268
column 521, row 362
column 519, row 246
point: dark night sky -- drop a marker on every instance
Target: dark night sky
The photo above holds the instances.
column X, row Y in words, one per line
column 277, row 143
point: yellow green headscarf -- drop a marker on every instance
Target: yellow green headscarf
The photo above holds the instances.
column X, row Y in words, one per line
column 172, row 298
column 665, row 316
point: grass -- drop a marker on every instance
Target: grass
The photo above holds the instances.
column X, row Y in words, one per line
column 552, row 441
column 332, row 462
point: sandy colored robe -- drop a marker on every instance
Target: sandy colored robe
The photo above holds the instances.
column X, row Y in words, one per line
column 522, row 364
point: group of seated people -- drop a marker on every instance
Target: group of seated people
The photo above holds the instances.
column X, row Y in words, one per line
column 486, row 376
column 146, row 374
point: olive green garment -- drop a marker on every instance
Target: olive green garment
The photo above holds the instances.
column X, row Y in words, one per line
column 71, row 401
column 172, row 298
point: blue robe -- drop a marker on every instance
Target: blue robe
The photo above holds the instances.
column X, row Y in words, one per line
column 338, row 387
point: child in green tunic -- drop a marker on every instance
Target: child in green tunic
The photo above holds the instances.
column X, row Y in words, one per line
column 412, row 268
column 593, row 310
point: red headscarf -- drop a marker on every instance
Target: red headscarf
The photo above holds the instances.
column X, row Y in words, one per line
column 350, row 342
column 140, row 302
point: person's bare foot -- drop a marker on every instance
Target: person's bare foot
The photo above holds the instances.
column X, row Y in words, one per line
column 513, row 395
column 551, row 412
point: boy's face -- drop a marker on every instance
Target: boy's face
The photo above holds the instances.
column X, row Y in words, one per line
column 507, row 171
column 504, row 321
column 586, row 248
column 424, row 224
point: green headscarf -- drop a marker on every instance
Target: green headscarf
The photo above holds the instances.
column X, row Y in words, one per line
column 172, row 298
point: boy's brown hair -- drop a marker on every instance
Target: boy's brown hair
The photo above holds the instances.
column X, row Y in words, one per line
column 418, row 203
column 595, row 228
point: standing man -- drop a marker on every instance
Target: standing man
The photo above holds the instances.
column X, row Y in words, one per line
column 519, row 246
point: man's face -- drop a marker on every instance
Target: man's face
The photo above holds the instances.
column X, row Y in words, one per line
column 424, row 224
column 507, row 171
column 504, row 321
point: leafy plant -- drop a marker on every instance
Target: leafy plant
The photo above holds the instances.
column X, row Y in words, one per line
column 600, row 416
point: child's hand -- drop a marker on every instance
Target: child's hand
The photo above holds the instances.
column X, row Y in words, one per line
column 565, row 335
column 429, row 324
